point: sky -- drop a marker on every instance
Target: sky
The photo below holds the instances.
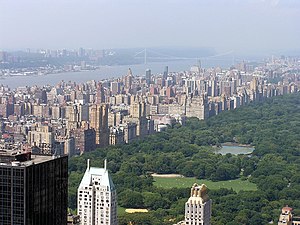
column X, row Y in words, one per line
column 238, row 25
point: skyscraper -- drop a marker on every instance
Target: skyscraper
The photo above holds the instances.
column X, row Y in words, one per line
column 98, row 116
column 33, row 189
column 198, row 206
column 97, row 198
column 100, row 95
column 148, row 76
column 115, row 88
column 287, row 217
column 128, row 79
column 197, row 106
column 138, row 116
column 166, row 72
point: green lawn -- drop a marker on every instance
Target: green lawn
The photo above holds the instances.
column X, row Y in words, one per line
column 121, row 211
column 236, row 185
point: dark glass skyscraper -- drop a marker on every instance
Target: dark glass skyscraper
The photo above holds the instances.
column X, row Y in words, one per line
column 33, row 189
column 166, row 72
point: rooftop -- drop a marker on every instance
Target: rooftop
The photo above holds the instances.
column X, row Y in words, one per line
column 97, row 176
column 21, row 159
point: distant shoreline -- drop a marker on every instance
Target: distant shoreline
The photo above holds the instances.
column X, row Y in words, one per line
column 47, row 73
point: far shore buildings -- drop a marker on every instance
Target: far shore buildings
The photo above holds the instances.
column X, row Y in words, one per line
column 97, row 198
column 198, row 207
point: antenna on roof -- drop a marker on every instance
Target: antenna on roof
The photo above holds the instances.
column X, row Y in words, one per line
column 54, row 156
column 88, row 164
column 105, row 163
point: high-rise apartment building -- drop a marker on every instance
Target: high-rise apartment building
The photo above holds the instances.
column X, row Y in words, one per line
column 42, row 136
column 98, row 116
column 116, row 136
column 166, row 72
column 115, row 88
column 97, row 198
column 100, row 95
column 85, row 139
column 128, row 79
column 148, row 76
column 129, row 131
column 33, row 189
column 287, row 218
column 198, row 206
column 197, row 107
column 138, row 116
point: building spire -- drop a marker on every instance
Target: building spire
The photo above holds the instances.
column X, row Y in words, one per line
column 105, row 164
column 88, row 164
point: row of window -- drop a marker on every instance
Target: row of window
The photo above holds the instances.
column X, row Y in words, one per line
column 192, row 205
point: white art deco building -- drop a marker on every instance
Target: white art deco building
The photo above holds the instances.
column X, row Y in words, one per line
column 97, row 198
column 198, row 206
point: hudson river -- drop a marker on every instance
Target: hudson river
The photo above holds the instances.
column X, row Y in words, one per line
column 106, row 72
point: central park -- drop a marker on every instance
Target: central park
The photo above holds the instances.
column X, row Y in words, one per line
column 249, row 188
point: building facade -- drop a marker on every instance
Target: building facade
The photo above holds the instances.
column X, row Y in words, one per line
column 33, row 189
column 198, row 206
column 99, row 121
column 97, row 198
column 287, row 218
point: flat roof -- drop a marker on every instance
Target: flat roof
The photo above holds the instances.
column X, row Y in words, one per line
column 7, row 159
column 36, row 159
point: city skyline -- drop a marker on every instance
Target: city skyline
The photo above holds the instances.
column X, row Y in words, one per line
column 164, row 96
column 249, row 26
column 75, row 118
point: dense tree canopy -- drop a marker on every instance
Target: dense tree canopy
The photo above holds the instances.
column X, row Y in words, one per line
column 272, row 126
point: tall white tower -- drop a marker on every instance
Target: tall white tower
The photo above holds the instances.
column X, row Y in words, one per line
column 97, row 198
column 198, row 207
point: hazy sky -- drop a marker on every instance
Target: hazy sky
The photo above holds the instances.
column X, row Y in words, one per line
column 240, row 25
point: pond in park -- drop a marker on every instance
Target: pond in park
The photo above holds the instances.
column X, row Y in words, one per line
column 234, row 149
